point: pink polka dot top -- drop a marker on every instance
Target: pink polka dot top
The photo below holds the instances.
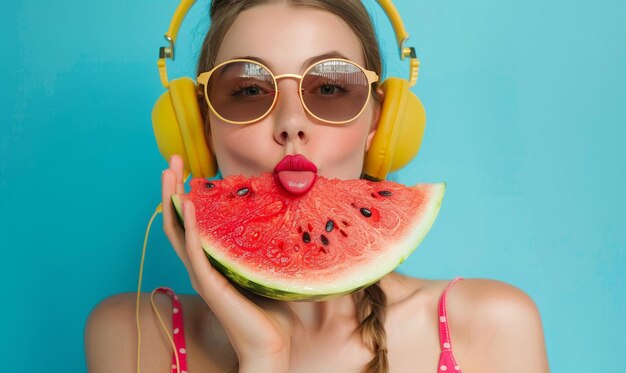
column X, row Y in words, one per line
column 178, row 332
column 447, row 363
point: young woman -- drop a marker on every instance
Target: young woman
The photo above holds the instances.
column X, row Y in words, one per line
column 396, row 325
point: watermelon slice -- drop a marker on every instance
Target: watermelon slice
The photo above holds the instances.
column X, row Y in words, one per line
column 341, row 236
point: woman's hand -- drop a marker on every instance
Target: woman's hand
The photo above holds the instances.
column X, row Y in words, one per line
column 258, row 331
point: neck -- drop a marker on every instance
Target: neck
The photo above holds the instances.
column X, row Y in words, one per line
column 317, row 316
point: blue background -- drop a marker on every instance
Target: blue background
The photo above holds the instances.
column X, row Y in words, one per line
column 525, row 123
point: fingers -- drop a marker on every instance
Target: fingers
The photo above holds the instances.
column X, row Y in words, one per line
column 176, row 165
column 171, row 226
column 207, row 281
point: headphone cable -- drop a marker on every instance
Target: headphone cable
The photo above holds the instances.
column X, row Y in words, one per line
column 158, row 210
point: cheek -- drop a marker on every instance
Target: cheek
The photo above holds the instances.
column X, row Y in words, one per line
column 342, row 152
column 241, row 149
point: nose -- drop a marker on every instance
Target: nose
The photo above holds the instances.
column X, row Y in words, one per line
column 291, row 123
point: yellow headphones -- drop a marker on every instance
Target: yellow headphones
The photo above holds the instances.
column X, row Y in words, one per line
column 179, row 126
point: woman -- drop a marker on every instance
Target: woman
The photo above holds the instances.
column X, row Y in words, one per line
column 392, row 326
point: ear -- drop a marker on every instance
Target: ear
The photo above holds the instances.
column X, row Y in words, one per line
column 375, row 118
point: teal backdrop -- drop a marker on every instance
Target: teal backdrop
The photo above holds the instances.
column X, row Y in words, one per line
column 525, row 103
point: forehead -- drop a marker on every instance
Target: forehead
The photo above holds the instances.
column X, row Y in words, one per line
column 285, row 36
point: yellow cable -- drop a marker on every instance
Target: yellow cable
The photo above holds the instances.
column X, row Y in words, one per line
column 158, row 210
column 169, row 336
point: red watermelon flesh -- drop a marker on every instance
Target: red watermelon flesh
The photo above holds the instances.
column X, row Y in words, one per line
column 339, row 237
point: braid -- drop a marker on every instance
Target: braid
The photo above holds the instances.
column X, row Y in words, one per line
column 371, row 311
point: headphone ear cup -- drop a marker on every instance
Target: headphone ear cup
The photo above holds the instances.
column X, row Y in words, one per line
column 400, row 130
column 179, row 128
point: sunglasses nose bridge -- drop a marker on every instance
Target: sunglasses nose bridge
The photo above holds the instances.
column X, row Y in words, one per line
column 296, row 77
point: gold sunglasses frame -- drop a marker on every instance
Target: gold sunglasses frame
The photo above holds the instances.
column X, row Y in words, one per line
column 371, row 76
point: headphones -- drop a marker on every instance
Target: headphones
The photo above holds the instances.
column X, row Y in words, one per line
column 179, row 127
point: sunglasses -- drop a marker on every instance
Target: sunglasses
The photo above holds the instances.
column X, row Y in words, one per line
column 243, row 91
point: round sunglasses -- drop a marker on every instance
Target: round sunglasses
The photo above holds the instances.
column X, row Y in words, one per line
column 243, row 91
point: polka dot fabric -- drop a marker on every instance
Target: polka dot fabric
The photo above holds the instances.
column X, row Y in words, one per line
column 447, row 363
column 178, row 331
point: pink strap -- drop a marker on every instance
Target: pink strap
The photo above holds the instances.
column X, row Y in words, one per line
column 447, row 363
column 178, row 330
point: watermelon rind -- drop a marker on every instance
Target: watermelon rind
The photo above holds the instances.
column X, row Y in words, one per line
column 288, row 290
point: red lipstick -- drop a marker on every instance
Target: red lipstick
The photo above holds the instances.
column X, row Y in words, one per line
column 296, row 174
column 296, row 162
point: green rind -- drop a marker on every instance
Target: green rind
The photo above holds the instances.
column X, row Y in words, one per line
column 274, row 291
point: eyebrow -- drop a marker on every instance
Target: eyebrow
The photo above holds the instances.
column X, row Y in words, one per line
column 332, row 54
column 305, row 64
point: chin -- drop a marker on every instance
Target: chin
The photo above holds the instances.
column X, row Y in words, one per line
column 340, row 175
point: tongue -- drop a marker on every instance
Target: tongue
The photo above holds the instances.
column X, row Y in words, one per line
column 296, row 182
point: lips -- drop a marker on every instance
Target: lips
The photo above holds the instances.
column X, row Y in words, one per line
column 296, row 162
column 296, row 174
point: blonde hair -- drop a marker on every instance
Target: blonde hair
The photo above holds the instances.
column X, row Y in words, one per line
column 370, row 302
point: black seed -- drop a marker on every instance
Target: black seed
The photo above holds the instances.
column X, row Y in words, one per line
column 243, row 191
column 330, row 225
column 385, row 193
column 306, row 237
column 367, row 213
column 324, row 239
column 209, row 185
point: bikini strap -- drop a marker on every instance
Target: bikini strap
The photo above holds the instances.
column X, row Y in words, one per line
column 444, row 330
column 178, row 331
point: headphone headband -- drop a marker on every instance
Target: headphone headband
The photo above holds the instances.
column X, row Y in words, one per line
column 392, row 13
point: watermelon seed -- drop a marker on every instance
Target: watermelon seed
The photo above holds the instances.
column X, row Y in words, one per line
column 310, row 227
column 324, row 239
column 306, row 237
column 243, row 191
column 345, row 223
column 373, row 195
column 385, row 193
column 365, row 212
column 330, row 225
column 299, row 229
column 322, row 249
column 296, row 248
column 343, row 233
column 209, row 185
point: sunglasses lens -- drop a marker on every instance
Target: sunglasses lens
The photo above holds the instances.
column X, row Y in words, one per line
column 335, row 91
column 241, row 91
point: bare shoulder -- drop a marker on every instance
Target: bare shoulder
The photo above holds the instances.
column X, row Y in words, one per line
column 111, row 334
column 495, row 327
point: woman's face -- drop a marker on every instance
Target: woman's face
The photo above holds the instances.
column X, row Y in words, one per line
column 287, row 39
